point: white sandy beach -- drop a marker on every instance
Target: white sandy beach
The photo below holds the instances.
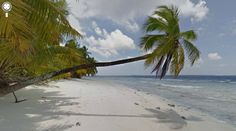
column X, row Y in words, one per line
column 89, row 105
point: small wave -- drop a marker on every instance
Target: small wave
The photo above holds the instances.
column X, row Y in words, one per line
column 205, row 81
column 174, row 80
column 225, row 81
column 179, row 86
column 214, row 98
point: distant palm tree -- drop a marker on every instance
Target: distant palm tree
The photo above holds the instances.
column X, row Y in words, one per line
column 164, row 39
column 82, row 57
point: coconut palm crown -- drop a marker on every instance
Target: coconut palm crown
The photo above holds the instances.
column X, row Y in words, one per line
column 167, row 43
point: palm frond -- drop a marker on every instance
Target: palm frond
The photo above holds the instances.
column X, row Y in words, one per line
column 158, row 65
column 154, row 24
column 189, row 35
column 166, row 65
column 161, row 50
column 148, row 41
column 192, row 51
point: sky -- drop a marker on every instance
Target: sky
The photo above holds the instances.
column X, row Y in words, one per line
column 112, row 30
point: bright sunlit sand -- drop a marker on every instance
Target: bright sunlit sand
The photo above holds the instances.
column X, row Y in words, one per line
column 93, row 105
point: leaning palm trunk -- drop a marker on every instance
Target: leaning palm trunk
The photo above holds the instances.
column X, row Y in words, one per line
column 14, row 87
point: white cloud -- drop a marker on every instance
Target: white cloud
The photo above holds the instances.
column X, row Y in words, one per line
column 197, row 12
column 108, row 44
column 98, row 31
column 126, row 13
column 214, row 56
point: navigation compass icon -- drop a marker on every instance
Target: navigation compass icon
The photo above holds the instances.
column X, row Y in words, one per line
column 6, row 7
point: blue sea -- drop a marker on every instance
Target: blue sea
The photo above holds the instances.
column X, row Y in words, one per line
column 214, row 95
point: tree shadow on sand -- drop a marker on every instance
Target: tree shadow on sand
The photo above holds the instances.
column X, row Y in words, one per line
column 172, row 118
column 36, row 112
column 42, row 111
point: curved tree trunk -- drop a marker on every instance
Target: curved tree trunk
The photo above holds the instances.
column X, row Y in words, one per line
column 13, row 87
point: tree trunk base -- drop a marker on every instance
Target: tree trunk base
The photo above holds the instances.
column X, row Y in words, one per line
column 16, row 99
column 21, row 101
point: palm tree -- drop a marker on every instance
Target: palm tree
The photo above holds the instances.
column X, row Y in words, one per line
column 82, row 57
column 32, row 26
column 167, row 42
column 163, row 38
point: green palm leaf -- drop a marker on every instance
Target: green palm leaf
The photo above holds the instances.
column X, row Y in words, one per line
column 31, row 37
column 192, row 51
column 189, row 35
column 148, row 41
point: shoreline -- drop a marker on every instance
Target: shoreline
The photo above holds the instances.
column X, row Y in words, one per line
column 89, row 105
